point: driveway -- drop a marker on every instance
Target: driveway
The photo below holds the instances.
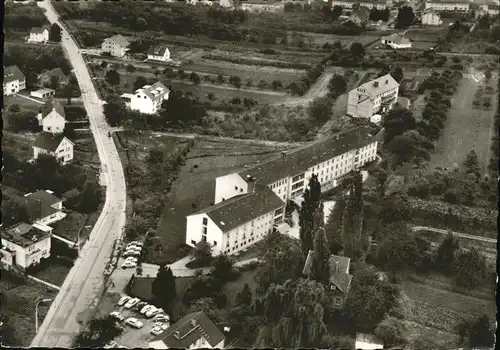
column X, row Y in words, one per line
column 83, row 286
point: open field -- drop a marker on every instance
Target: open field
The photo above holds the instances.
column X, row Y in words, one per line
column 194, row 188
column 465, row 129
column 18, row 144
column 346, row 40
column 18, row 302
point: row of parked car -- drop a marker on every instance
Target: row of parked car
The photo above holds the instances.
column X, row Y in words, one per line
column 132, row 252
column 160, row 318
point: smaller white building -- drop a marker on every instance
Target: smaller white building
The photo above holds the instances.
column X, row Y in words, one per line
column 44, row 207
column 349, row 4
column 38, row 35
column 368, row 342
column 159, row 53
column 396, row 41
column 193, row 331
column 13, row 80
column 116, row 46
column 55, row 121
column 491, row 9
column 43, row 94
column 56, row 145
column 431, row 17
column 149, row 98
column 25, row 245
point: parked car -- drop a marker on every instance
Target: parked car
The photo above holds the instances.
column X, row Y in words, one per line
column 131, row 253
column 131, row 303
column 140, row 305
column 117, row 315
column 156, row 331
column 161, row 318
column 128, row 264
column 134, row 322
column 153, row 312
column 147, row 308
column 137, row 243
column 123, row 300
column 131, row 258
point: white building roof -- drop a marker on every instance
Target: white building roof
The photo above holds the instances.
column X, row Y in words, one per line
column 378, row 86
column 155, row 92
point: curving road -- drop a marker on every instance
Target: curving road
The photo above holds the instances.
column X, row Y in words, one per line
column 84, row 284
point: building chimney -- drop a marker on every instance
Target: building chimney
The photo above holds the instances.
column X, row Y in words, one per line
column 193, row 322
column 375, row 83
column 336, row 266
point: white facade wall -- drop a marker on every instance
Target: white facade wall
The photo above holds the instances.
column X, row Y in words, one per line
column 395, row 45
column 165, row 57
column 262, row 7
column 13, row 87
column 53, row 123
column 43, row 94
column 447, row 6
column 39, row 37
column 368, row 107
column 31, row 255
column 228, row 186
column 63, row 153
column 51, row 218
column 196, row 230
column 349, row 4
column 142, row 103
column 113, row 48
column 199, row 344
column 431, row 19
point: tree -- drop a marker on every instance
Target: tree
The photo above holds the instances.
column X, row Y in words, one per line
column 163, row 287
column 130, row 68
column 276, row 85
column 309, row 218
column 140, row 82
column 392, row 332
column 208, row 306
column 203, row 252
column 236, row 81
column 396, row 122
column 333, row 226
column 481, row 334
column 99, row 332
column 91, row 197
column 357, row 50
column 471, row 164
column 352, row 220
column 195, row 78
column 446, row 253
column 14, row 109
column 14, row 210
column 488, row 74
column 337, row 85
column 469, row 268
column 405, row 17
column 320, row 109
column 222, row 268
column 245, row 296
column 55, row 33
column 320, row 264
column 369, row 300
column 113, row 77
column 397, row 74
column 68, row 91
column 115, row 111
column 220, row 79
column 54, row 82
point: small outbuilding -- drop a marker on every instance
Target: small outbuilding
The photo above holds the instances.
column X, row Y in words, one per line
column 43, row 94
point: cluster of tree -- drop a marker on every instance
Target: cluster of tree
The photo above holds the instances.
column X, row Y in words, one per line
column 329, row 47
column 379, row 15
column 297, row 7
column 23, row 17
column 337, row 85
column 55, row 33
column 457, row 30
column 478, row 332
column 33, row 61
column 163, row 288
column 405, row 17
column 21, row 120
column 46, row 172
column 99, row 332
column 225, row 16
column 331, row 13
column 148, row 186
column 320, row 109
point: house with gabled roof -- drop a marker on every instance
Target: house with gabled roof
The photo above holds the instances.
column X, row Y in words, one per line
column 340, row 278
column 13, row 80
column 149, row 98
column 379, row 95
column 360, row 16
column 193, row 331
column 56, row 145
column 44, row 207
column 158, row 53
column 46, row 78
column 396, row 41
column 244, row 210
column 431, row 17
column 117, row 45
column 54, row 121
column 38, row 35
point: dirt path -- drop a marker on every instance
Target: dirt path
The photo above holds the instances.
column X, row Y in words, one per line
column 465, row 129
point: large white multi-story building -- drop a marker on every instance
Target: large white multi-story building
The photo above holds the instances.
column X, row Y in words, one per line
column 148, row 99
column 349, row 4
column 249, row 203
column 376, row 96
column 25, row 245
column 449, row 5
column 116, row 46
column 13, row 80
column 431, row 17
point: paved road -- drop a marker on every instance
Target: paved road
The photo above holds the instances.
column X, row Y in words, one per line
column 84, row 283
column 459, row 234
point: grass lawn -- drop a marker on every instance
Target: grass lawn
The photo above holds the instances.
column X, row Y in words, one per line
column 70, row 225
column 24, row 103
column 19, row 144
column 197, row 185
column 53, row 272
column 320, row 38
column 231, row 289
column 465, row 129
column 18, row 307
